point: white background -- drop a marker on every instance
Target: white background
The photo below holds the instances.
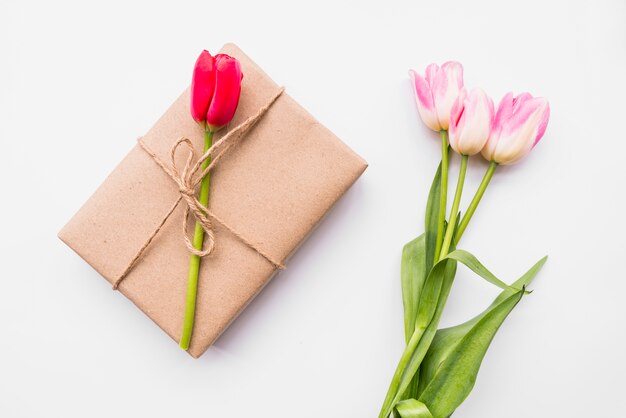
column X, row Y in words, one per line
column 79, row 82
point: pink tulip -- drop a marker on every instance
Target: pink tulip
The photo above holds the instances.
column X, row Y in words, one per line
column 436, row 93
column 470, row 121
column 518, row 125
column 215, row 89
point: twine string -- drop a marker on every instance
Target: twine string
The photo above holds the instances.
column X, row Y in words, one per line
column 188, row 179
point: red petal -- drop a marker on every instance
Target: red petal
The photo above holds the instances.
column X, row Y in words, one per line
column 227, row 91
column 202, row 85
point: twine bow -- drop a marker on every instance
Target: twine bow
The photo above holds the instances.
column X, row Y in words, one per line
column 188, row 179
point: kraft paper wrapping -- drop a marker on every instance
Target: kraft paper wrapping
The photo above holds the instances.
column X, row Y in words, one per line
column 273, row 188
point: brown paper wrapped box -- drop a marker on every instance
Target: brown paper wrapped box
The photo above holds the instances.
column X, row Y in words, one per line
column 273, row 188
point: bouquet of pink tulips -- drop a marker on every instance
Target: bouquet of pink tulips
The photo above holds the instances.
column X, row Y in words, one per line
column 438, row 367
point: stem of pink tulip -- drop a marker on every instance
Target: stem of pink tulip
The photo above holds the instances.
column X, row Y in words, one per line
column 194, row 260
column 441, row 220
column 455, row 208
column 476, row 200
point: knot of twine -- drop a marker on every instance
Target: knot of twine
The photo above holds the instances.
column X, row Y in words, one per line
column 188, row 179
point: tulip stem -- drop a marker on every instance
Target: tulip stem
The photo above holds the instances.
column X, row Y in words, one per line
column 455, row 207
column 476, row 200
column 441, row 221
column 194, row 260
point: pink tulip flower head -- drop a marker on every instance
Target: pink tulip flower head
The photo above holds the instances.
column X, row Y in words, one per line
column 470, row 121
column 436, row 92
column 518, row 125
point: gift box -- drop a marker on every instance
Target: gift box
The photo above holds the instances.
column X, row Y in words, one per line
column 268, row 191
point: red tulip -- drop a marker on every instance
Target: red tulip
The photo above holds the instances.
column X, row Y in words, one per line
column 215, row 89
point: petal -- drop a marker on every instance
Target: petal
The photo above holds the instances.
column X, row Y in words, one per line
column 457, row 120
column 445, row 87
column 202, row 86
column 478, row 119
column 504, row 112
column 424, row 101
column 490, row 146
column 454, row 70
column 519, row 138
column 521, row 100
column 431, row 72
column 511, row 147
column 543, row 122
column 227, row 91
column 522, row 111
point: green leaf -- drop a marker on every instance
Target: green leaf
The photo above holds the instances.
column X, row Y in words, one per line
column 432, row 299
column 405, row 381
column 456, row 376
column 476, row 266
column 431, row 290
column 447, row 342
column 412, row 408
column 446, row 339
column 418, row 258
column 412, row 275
column 436, row 289
column 432, row 219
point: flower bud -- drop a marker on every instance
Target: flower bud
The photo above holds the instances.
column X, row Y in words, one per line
column 518, row 125
column 470, row 121
column 436, row 92
column 215, row 89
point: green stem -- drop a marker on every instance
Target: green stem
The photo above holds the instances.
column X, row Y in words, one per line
column 392, row 393
column 194, row 260
column 476, row 200
column 455, row 208
column 441, row 221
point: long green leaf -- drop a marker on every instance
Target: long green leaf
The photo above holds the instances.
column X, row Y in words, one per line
column 418, row 257
column 412, row 408
column 413, row 275
column 476, row 266
column 432, row 219
column 446, row 339
column 439, row 281
column 432, row 298
column 456, row 376
column 405, row 381
column 431, row 290
column 417, row 260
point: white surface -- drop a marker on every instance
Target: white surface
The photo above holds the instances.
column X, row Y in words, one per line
column 79, row 82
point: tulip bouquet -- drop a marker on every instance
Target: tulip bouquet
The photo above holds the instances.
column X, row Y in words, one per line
column 438, row 367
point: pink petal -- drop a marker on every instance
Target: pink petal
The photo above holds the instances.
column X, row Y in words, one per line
column 422, row 90
column 431, row 72
column 457, row 111
column 445, row 87
column 523, row 110
column 505, row 110
column 424, row 101
column 454, row 70
column 543, row 123
column 457, row 120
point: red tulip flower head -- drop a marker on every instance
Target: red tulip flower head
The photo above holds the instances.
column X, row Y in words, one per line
column 215, row 89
